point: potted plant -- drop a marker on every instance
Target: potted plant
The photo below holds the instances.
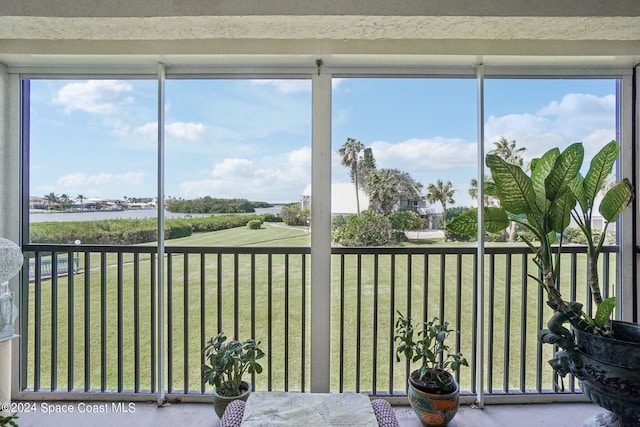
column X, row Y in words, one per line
column 432, row 389
column 227, row 361
column 603, row 354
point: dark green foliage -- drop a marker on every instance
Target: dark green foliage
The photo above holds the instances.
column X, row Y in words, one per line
column 339, row 221
column 544, row 202
column 268, row 217
column 9, row 420
column 425, row 343
column 370, row 228
column 219, row 222
column 106, row 232
column 131, row 231
column 227, row 361
column 386, row 187
column 575, row 235
column 254, row 224
column 405, row 219
column 526, row 236
column 293, row 214
column 210, row 205
column 450, row 235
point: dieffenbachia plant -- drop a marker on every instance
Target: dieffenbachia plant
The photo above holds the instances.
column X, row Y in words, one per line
column 545, row 202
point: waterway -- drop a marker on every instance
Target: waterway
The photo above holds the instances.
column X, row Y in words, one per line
column 45, row 216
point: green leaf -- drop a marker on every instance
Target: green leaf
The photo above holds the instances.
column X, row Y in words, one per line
column 490, row 188
column 605, row 309
column 600, row 167
column 495, row 220
column 560, row 213
column 514, row 187
column 577, row 188
column 616, row 199
column 564, row 171
column 539, row 174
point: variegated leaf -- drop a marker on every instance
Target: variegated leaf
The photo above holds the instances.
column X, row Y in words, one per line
column 565, row 169
column 514, row 187
column 616, row 199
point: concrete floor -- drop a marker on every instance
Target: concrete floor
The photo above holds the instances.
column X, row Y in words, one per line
column 199, row 414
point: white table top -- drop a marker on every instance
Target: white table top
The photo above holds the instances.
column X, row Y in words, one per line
column 308, row 409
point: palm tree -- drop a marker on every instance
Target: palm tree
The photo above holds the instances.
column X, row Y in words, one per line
column 508, row 151
column 81, row 197
column 350, row 153
column 473, row 190
column 387, row 187
column 443, row 193
column 51, row 199
column 366, row 165
column 64, row 201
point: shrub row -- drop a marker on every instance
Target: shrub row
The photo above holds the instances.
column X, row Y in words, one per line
column 134, row 231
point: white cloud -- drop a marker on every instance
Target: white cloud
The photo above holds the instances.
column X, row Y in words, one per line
column 300, row 158
column 94, row 96
column 576, row 117
column 186, row 131
column 182, row 131
column 286, row 86
column 80, row 179
column 234, row 168
column 418, row 154
column 292, row 86
column 148, row 130
column 276, row 180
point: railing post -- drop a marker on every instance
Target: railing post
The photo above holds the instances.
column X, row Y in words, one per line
column 160, row 325
column 321, row 231
column 479, row 356
column 627, row 305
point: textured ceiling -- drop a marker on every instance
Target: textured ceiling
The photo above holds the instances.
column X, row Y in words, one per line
column 225, row 39
column 321, row 27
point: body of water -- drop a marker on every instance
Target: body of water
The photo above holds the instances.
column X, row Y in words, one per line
column 129, row 214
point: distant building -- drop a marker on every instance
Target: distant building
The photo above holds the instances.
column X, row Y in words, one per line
column 343, row 199
column 36, row 202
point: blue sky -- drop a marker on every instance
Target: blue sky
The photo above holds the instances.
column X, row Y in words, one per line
column 252, row 138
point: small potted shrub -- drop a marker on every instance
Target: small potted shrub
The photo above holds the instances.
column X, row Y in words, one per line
column 432, row 389
column 227, row 361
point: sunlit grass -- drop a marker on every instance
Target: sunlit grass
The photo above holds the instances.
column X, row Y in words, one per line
column 197, row 310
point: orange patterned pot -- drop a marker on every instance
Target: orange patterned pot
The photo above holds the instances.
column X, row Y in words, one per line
column 433, row 409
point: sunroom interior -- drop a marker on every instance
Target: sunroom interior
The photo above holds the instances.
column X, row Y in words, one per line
column 171, row 44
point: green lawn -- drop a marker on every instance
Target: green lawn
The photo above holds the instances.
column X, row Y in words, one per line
column 279, row 328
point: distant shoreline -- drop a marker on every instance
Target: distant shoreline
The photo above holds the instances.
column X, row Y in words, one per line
column 43, row 215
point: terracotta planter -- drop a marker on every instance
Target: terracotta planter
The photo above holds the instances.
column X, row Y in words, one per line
column 433, row 409
column 220, row 402
column 609, row 372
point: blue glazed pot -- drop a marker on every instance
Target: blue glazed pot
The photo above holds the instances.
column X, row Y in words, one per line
column 609, row 371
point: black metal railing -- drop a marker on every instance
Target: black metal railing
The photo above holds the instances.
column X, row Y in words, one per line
column 93, row 329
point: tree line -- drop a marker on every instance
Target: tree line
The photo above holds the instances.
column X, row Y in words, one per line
column 213, row 205
column 386, row 188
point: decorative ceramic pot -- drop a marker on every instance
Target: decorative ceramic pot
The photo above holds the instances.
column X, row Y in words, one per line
column 609, row 370
column 220, row 402
column 433, row 409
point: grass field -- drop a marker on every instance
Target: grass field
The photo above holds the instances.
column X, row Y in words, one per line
column 110, row 309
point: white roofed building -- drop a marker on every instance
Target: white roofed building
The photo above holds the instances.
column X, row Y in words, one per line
column 343, row 199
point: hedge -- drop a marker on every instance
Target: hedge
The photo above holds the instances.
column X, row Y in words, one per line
column 131, row 231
